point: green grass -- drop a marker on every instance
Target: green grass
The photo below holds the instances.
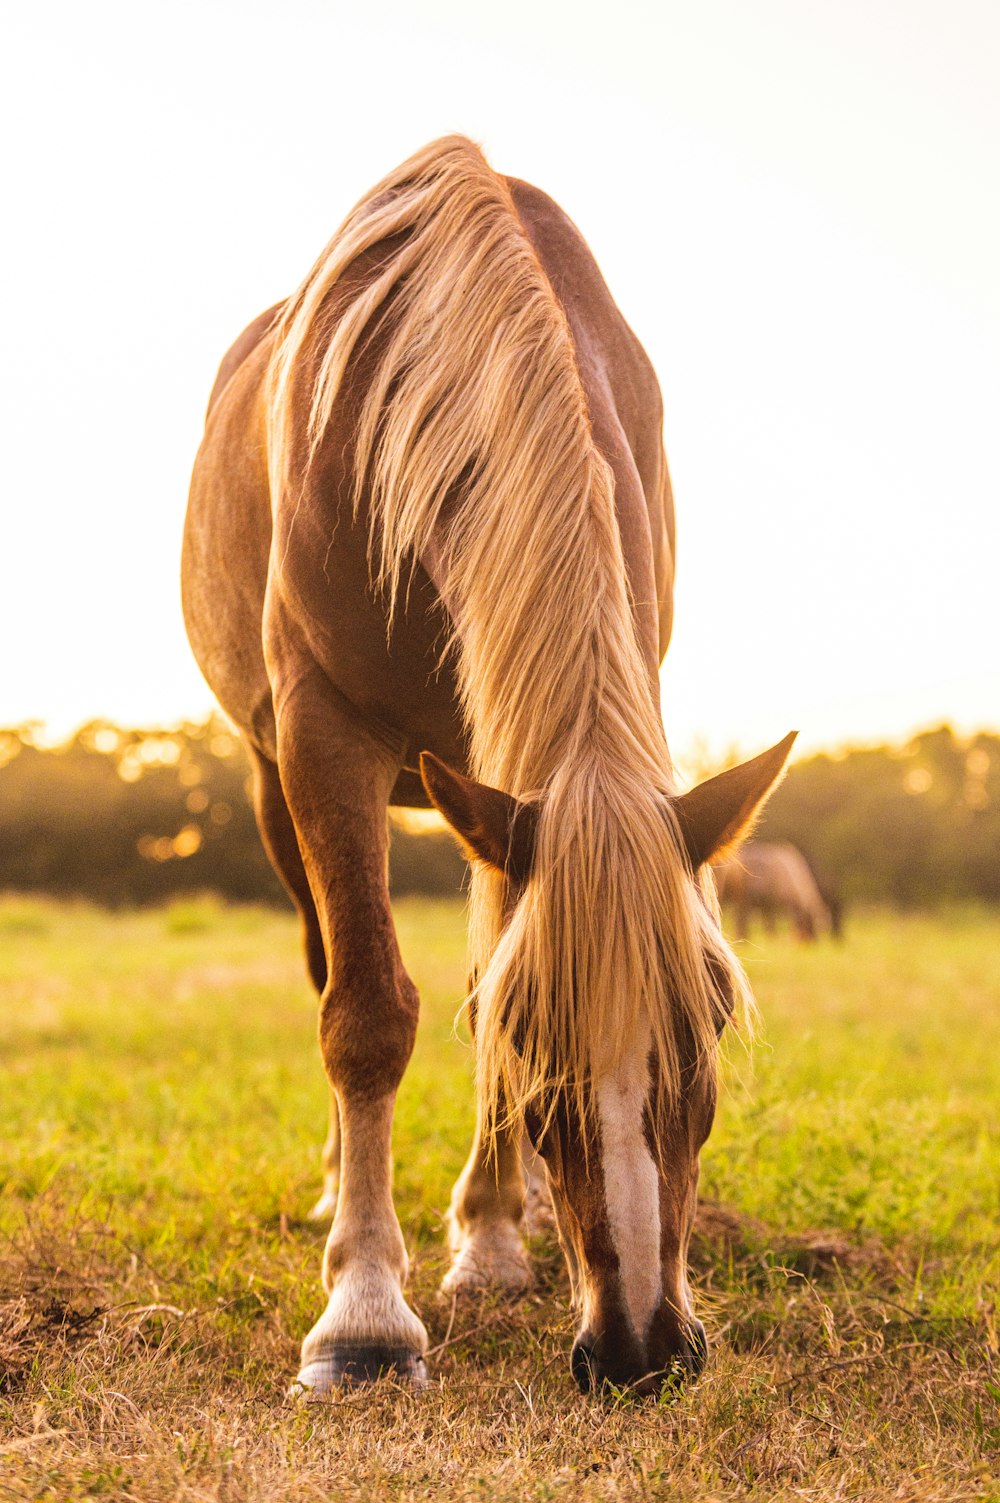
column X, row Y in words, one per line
column 161, row 1112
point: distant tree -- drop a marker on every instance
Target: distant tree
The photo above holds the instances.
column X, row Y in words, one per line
column 913, row 825
column 131, row 817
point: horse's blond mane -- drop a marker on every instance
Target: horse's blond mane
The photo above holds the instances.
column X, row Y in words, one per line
column 474, row 444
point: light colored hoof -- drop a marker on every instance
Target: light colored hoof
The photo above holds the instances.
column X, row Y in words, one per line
column 325, row 1208
column 489, row 1259
column 348, row 1366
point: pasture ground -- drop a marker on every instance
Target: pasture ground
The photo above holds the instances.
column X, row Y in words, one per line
column 162, row 1107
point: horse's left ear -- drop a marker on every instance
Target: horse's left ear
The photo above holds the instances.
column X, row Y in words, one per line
column 717, row 815
column 491, row 825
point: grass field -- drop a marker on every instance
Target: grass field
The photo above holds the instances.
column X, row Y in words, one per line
column 161, row 1111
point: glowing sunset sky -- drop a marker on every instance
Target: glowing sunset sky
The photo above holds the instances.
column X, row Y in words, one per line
column 797, row 206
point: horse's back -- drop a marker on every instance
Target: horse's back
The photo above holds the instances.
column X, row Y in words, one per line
column 228, row 533
column 623, row 395
column 241, row 349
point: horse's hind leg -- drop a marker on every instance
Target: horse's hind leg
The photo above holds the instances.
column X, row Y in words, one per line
column 277, row 830
column 326, row 1207
column 337, row 781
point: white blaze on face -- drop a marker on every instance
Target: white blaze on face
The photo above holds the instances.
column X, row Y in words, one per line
column 631, row 1185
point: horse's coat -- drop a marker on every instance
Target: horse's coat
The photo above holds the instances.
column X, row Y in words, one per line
column 431, row 515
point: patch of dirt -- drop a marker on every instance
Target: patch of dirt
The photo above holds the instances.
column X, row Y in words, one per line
column 813, row 1252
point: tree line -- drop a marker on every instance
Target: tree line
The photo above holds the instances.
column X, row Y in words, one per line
column 126, row 817
column 912, row 825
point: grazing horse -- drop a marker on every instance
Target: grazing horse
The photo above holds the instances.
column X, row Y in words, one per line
column 773, row 878
column 831, row 892
column 428, row 560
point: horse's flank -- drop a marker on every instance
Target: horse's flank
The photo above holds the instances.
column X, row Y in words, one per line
column 475, row 453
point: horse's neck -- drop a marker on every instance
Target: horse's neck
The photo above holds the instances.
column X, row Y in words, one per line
column 601, row 702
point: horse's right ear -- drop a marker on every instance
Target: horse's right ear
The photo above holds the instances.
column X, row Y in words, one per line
column 717, row 815
column 491, row 825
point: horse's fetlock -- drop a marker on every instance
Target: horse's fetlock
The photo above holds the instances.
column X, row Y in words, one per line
column 489, row 1254
column 334, row 1259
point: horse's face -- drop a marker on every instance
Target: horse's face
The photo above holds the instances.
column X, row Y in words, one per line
column 625, row 1193
column 624, row 1177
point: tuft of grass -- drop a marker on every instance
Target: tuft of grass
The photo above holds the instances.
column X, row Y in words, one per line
column 163, row 1105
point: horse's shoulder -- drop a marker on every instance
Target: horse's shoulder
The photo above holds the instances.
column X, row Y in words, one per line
column 241, row 348
column 791, row 855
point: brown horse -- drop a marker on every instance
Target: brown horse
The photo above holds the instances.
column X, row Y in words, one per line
column 773, row 879
column 431, row 522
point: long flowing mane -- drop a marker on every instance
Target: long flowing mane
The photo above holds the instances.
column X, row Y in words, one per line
column 474, row 438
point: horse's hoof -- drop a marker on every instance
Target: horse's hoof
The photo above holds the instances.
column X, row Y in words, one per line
column 347, row 1366
column 480, row 1265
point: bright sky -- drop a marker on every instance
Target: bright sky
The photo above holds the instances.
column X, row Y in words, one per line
column 795, row 203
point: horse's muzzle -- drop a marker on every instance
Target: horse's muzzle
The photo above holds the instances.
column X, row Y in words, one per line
column 594, row 1367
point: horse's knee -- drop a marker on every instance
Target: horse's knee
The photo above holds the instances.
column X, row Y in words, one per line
column 367, row 1037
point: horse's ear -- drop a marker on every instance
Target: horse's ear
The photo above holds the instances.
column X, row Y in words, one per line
column 491, row 825
column 717, row 815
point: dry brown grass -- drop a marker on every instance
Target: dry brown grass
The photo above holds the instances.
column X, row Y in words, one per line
column 824, row 1383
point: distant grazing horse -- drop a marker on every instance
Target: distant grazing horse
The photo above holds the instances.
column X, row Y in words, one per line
column 431, row 525
column 773, row 880
column 831, row 892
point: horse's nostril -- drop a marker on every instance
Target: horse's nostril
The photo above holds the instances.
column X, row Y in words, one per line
column 592, row 1372
column 581, row 1364
column 686, row 1364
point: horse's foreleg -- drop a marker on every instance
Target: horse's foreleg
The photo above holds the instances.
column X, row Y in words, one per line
column 337, row 781
column 539, row 1214
column 484, row 1222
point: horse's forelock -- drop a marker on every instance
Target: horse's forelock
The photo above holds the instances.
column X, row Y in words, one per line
column 610, row 942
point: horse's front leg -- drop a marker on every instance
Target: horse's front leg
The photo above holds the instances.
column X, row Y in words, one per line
column 485, row 1219
column 539, row 1215
column 337, row 780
